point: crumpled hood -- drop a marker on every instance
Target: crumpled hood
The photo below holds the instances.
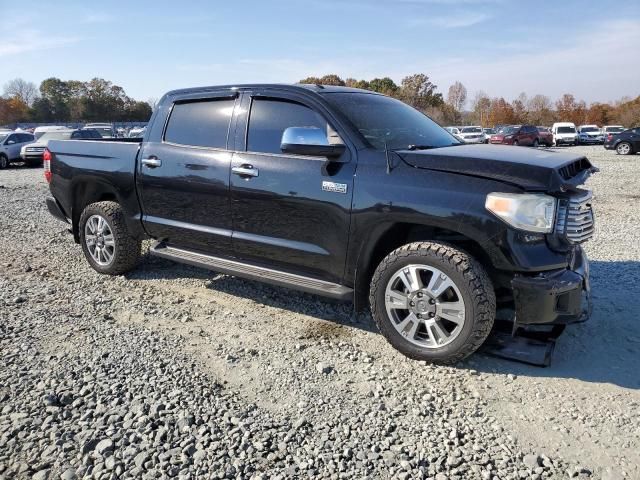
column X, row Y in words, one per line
column 529, row 169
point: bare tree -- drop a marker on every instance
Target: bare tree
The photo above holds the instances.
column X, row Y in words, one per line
column 481, row 105
column 457, row 96
column 19, row 88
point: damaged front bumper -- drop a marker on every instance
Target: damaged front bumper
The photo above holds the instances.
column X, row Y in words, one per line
column 557, row 297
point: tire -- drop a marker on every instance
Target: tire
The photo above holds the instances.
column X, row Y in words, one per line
column 471, row 291
column 536, row 143
column 624, row 148
column 119, row 252
column 516, row 143
column 4, row 162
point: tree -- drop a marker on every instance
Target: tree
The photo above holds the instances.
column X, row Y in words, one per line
column 540, row 113
column 353, row 83
column 384, row 85
column 27, row 92
column 481, row 104
column 419, row 92
column 600, row 113
column 457, row 96
column 13, row 110
column 500, row 112
column 520, row 113
column 331, row 79
column 570, row 110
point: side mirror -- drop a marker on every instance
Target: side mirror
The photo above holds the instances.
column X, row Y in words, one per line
column 11, row 142
column 309, row 141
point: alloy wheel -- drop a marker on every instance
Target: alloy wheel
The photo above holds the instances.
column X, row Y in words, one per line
column 99, row 240
column 425, row 306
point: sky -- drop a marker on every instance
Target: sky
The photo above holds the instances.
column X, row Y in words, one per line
column 502, row 47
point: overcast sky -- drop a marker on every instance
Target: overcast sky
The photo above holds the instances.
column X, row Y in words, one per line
column 503, row 47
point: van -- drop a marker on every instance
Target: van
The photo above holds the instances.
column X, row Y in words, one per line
column 564, row 133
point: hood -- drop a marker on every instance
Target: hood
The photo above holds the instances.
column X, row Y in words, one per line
column 529, row 169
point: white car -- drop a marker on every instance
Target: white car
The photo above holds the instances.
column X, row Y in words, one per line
column 564, row 133
column 472, row 134
column 455, row 131
column 590, row 134
column 39, row 131
column 10, row 145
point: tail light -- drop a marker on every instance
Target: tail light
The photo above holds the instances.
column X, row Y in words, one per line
column 46, row 160
column 609, row 137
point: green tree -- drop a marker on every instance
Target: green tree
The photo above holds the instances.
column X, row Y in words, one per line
column 419, row 92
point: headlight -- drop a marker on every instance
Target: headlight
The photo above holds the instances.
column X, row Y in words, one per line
column 532, row 212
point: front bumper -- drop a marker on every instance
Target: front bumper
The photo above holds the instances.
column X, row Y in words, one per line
column 591, row 140
column 560, row 140
column 556, row 297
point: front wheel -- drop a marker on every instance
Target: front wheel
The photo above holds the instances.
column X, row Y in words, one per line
column 105, row 239
column 515, row 143
column 4, row 161
column 432, row 302
column 536, row 143
column 624, row 148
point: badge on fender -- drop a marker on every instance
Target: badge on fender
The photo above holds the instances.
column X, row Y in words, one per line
column 334, row 187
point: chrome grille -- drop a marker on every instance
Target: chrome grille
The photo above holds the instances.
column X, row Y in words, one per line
column 575, row 220
column 35, row 149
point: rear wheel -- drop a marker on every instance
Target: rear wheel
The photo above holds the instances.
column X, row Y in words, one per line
column 432, row 302
column 4, row 161
column 536, row 143
column 105, row 239
column 624, row 148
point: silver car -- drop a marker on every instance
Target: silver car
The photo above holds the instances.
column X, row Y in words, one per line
column 10, row 145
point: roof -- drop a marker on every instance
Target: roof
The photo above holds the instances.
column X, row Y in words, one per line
column 280, row 86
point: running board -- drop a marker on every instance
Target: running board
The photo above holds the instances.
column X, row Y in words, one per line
column 253, row 272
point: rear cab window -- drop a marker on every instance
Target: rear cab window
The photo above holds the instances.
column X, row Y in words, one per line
column 201, row 123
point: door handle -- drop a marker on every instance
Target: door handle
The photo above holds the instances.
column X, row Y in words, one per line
column 245, row 170
column 152, row 162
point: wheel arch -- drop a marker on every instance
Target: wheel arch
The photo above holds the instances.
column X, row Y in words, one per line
column 386, row 239
column 86, row 193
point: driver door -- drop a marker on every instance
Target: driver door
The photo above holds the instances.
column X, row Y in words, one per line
column 291, row 212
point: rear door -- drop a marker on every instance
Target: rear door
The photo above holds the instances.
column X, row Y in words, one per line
column 183, row 174
column 293, row 213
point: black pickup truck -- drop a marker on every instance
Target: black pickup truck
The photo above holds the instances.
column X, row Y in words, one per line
column 343, row 193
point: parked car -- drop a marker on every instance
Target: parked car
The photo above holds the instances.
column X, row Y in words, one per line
column 455, row 131
column 564, row 133
column 608, row 131
column 10, row 145
column 545, row 137
column 106, row 129
column 523, row 135
column 32, row 154
column 590, row 135
column 137, row 132
column 625, row 143
column 472, row 134
column 427, row 231
column 39, row 131
column 488, row 133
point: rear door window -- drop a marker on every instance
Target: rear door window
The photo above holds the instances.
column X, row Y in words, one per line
column 269, row 118
column 200, row 124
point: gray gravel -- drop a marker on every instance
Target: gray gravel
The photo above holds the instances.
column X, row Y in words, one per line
column 175, row 372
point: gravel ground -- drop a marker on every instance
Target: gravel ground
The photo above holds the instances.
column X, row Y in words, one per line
column 172, row 371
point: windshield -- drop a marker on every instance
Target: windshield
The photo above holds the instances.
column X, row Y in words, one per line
column 3, row 137
column 566, row 130
column 589, row 129
column 382, row 119
column 471, row 130
column 104, row 131
column 615, row 129
column 489, row 131
column 55, row 136
column 508, row 130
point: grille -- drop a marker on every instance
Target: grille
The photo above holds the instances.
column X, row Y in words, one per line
column 575, row 220
column 569, row 171
column 35, row 149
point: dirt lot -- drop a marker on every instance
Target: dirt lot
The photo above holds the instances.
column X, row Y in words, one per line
column 176, row 372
